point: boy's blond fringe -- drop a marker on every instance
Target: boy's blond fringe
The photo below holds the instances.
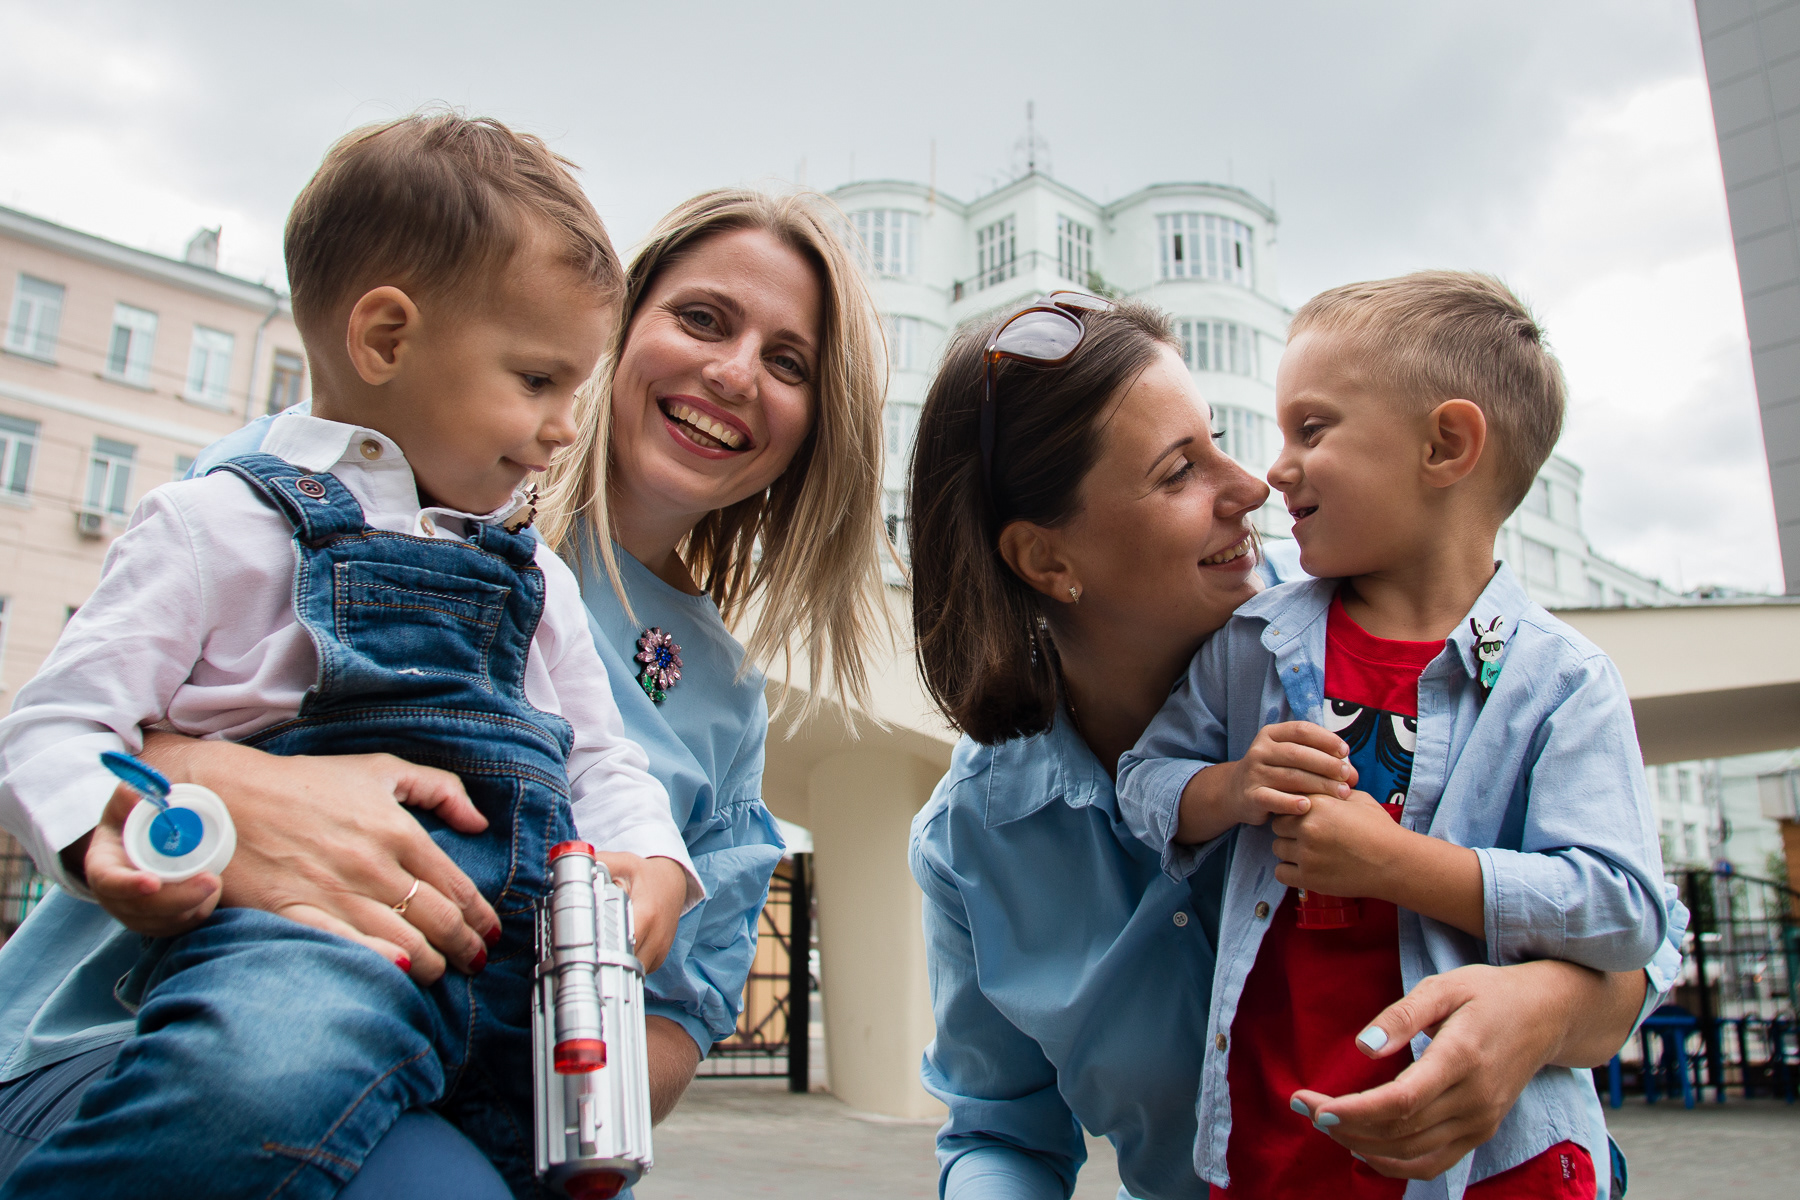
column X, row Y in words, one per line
column 819, row 527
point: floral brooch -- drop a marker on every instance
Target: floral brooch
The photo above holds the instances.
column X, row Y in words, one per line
column 662, row 663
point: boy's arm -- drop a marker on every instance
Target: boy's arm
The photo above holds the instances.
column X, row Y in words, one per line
column 1586, row 883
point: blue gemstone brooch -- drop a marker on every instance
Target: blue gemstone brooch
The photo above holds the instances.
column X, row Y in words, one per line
column 662, row 663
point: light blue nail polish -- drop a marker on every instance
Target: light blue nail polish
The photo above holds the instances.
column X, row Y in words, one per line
column 1326, row 1120
column 1373, row 1039
column 1299, row 1106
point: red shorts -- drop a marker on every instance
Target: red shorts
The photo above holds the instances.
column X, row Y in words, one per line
column 1563, row 1172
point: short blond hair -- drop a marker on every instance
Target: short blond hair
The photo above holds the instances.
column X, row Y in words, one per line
column 432, row 203
column 1439, row 335
column 809, row 546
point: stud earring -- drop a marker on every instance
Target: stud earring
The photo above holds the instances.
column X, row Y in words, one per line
column 1075, row 595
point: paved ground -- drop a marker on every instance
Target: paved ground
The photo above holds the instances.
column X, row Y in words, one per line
column 735, row 1138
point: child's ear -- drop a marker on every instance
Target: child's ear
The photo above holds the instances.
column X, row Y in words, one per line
column 1035, row 555
column 383, row 325
column 1458, row 433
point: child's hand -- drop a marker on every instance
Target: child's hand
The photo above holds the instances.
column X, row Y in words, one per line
column 658, row 890
column 1286, row 764
column 137, row 899
column 1338, row 847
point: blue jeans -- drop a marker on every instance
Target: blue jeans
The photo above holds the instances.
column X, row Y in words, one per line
column 273, row 1055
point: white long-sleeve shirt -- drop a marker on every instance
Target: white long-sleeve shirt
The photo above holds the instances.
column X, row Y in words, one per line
column 192, row 627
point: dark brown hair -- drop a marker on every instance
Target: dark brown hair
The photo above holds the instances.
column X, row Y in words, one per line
column 431, row 203
column 1434, row 336
column 984, row 652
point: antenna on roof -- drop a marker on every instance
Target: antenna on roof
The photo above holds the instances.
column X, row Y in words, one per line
column 1031, row 149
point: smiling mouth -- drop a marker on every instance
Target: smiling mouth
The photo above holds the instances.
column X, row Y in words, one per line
column 705, row 432
column 1228, row 554
column 1300, row 514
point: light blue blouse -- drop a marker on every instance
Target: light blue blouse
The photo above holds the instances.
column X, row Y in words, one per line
column 704, row 742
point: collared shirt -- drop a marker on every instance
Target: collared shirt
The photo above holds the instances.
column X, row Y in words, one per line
column 192, row 626
column 1542, row 777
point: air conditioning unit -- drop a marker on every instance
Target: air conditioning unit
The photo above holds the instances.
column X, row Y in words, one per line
column 90, row 523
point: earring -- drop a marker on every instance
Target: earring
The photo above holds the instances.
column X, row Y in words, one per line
column 1075, row 595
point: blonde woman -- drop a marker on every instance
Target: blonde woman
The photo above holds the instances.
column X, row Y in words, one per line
column 729, row 458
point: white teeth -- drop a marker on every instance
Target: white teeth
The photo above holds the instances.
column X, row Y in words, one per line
column 1225, row 556
column 724, row 433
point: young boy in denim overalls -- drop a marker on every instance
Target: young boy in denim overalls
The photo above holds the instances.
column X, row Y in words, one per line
column 1500, row 813
column 364, row 584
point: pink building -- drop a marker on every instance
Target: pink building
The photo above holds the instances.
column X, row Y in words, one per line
column 116, row 367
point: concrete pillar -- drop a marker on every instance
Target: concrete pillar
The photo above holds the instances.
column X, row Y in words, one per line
column 871, row 950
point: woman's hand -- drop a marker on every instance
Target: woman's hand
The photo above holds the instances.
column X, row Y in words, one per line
column 658, row 889
column 137, row 899
column 1492, row 1028
column 324, row 841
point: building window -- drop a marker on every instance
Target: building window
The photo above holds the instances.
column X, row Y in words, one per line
column 133, row 338
column 1074, row 250
column 1537, row 500
column 36, row 316
column 1218, row 346
column 284, row 384
column 890, row 240
column 1540, row 563
column 996, row 252
column 1620, row 599
column 209, row 365
column 184, row 466
column 1596, row 593
column 905, row 339
column 109, row 476
column 902, row 421
column 18, row 446
column 893, row 515
column 1250, row 438
column 1202, row 246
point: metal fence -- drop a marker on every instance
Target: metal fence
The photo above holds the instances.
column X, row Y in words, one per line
column 772, row 1038
column 1731, row 1022
column 21, row 887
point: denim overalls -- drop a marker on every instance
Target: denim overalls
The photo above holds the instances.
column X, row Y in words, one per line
column 270, row 1057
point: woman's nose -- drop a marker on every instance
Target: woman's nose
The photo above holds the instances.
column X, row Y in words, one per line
column 1244, row 493
column 733, row 372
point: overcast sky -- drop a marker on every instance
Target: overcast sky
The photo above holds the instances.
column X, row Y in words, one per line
column 1566, row 145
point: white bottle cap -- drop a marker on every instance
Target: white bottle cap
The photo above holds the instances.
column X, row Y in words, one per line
column 194, row 834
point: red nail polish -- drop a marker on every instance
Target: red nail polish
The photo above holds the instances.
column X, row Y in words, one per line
column 478, row 962
column 492, row 936
column 404, row 963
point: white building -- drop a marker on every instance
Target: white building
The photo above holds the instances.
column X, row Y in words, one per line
column 1201, row 252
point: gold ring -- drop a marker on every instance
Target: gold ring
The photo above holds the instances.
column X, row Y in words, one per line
column 401, row 907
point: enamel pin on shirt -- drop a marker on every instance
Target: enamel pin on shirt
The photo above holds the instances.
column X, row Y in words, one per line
column 1489, row 645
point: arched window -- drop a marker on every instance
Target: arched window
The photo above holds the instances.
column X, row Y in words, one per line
column 1204, row 246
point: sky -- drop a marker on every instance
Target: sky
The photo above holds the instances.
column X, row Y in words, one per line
column 1565, row 145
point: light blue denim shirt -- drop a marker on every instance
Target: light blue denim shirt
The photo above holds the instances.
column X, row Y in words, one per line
column 1543, row 778
column 705, row 745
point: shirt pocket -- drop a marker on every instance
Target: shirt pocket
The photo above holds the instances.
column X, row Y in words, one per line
column 415, row 621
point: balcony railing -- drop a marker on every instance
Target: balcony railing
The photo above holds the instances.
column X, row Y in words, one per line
column 1024, row 264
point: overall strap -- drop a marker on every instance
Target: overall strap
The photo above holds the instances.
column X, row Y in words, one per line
column 318, row 506
column 519, row 549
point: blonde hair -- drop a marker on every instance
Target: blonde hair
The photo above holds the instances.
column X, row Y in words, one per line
column 808, row 545
column 1439, row 335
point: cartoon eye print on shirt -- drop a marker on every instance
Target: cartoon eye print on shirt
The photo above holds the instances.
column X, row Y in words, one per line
column 1381, row 746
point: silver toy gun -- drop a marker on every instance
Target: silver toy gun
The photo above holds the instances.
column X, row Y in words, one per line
column 590, row 1071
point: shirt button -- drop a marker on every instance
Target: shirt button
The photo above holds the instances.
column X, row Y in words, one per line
column 1180, row 920
column 1220, row 1042
column 427, row 526
column 1262, row 908
column 371, row 449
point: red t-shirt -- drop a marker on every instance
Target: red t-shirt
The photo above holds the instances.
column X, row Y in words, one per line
column 1311, row 991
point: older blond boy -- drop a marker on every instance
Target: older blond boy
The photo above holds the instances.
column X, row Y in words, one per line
column 1414, row 765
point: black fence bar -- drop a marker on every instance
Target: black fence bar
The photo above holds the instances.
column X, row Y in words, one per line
column 799, row 997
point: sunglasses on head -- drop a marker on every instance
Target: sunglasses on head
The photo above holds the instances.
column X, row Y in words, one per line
column 1047, row 333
